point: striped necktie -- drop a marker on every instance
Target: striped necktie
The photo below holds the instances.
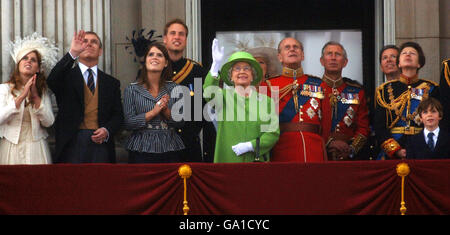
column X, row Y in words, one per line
column 90, row 83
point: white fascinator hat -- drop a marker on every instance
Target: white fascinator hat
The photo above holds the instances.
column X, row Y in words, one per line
column 46, row 48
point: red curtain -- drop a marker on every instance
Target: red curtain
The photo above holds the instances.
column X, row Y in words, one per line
column 91, row 189
column 365, row 187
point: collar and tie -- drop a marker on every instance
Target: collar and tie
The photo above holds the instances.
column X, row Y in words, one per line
column 430, row 141
column 90, row 83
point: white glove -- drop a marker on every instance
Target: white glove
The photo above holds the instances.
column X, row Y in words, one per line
column 217, row 56
column 242, row 148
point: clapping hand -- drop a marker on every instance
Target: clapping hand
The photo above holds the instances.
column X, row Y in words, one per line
column 33, row 89
column 30, row 87
column 162, row 103
column 26, row 93
column 217, row 55
column 34, row 94
column 160, row 106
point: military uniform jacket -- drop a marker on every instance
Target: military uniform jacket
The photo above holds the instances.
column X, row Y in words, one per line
column 347, row 115
column 185, row 71
column 395, row 116
column 299, row 98
column 444, row 90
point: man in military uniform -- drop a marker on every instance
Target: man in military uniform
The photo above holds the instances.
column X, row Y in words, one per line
column 346, row 118
column 185, row 71
column 444, row 90
column 299, row 98
column 396, row 117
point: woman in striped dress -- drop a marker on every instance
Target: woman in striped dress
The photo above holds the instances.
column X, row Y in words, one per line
column 147, row 110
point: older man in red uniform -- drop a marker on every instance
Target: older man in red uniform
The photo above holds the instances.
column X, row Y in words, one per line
column 346, row 118
column 299, row 98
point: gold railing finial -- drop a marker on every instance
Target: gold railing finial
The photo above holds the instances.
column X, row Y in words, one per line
column 185, row 172
column 402, row 171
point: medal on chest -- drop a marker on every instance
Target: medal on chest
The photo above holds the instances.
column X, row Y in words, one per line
column 334, row 98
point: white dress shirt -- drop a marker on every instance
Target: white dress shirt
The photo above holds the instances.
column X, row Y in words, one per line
column 435, row 136
column 85, row 73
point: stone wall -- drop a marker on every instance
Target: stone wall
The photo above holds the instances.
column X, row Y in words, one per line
column 426, row 22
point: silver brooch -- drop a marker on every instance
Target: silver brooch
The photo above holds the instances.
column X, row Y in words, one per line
column 311, row 113
column 351, row 112
column 348, row 121
column 314, row 103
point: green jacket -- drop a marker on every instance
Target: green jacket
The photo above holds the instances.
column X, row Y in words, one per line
column 241, row 119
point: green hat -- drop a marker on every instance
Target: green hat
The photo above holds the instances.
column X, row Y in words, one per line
column 241, row 56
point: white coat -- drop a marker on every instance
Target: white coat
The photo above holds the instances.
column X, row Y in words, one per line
column 11, row 117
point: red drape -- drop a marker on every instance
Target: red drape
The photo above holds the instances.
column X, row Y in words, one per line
column 365, row 187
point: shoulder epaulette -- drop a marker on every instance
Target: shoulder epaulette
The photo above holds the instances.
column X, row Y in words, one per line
column 312, row 76
column 195, row 62
column 315, row 79
column 273, row 77
column 446, row 71
column 429, row 81
column 352, row 82
column 385, row 83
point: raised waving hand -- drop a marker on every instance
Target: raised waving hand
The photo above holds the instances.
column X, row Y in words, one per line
column 78, row 43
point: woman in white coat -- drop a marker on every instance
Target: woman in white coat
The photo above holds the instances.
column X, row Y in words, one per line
column 25, row 106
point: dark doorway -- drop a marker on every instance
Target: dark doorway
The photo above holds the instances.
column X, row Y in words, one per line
column 267, row 15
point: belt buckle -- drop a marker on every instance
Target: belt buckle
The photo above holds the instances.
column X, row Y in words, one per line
column 409, row 130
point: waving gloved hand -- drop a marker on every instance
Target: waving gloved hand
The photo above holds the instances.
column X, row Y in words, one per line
column 217, row 55
column 242, row 148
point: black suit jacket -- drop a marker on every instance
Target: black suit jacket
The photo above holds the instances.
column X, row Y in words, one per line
column 66, row 81
column 417, row 147
column 189, row 133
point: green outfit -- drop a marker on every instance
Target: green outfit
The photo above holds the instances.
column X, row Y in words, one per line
column 237, row 128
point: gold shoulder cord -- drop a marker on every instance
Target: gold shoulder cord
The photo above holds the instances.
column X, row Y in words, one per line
column 394, row 103
column 398, row 104
column 293, row 87
column 447, row 72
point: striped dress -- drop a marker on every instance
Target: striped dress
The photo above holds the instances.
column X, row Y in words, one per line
column 157, row 135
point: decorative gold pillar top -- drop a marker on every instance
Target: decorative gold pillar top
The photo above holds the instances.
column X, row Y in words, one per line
column 185, row 171
column 402, row 169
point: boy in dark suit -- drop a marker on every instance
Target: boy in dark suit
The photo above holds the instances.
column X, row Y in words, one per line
column 431, row 143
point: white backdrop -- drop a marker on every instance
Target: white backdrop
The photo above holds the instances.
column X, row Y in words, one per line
column 313, row 41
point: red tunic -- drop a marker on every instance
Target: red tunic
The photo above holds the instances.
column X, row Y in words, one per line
column 298, row 146
column 350, row 119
